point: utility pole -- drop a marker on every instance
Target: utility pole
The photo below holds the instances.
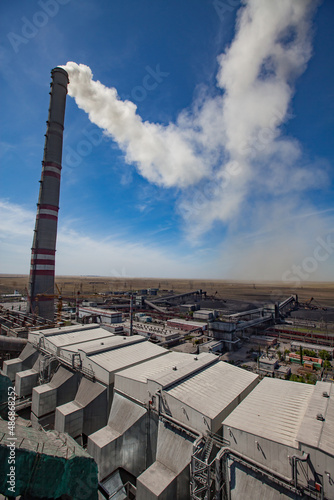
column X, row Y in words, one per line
column 131, row 314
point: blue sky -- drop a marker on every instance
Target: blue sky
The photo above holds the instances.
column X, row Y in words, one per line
column 232, row 174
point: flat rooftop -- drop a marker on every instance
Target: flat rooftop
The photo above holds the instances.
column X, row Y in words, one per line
column 99, row 310
column 195, row 324
column 312, row 347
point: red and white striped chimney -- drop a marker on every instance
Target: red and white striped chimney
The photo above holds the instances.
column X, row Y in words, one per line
column 42, row 270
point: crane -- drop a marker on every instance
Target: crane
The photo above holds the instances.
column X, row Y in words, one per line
column 51, row 296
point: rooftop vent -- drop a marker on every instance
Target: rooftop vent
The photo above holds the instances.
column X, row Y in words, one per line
column 325, row 394
column 320, row 417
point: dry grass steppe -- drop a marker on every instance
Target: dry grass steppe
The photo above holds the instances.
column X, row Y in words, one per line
column 323, row 292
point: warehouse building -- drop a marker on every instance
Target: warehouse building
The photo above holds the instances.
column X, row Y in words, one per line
column 98, row 315
column 205, row 315
column 171, row 401
column 185, row 325
column 69, row 375
column 296, row 345
column 281, row 442
column 174, row 425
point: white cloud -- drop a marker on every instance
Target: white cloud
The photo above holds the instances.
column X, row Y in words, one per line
column 227, row 154
column 241, row 125
column 80, row 253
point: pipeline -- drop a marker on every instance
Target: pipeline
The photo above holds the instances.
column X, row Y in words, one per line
column 12, row 344
column 288, row 482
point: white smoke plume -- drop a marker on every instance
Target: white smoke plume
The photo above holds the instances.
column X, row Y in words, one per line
column 163, row 154
column 227, row 151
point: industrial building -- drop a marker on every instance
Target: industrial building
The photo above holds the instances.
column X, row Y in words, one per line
column 169, row 407
column 281, row 442
column 205, row 315
column 122, row 395
column 98, row 315
column 185, row 325
column 155, row 424
column 268, row 364
column 163, row 424
column 296, row 345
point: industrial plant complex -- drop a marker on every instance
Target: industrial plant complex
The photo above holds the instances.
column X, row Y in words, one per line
column 157, row 394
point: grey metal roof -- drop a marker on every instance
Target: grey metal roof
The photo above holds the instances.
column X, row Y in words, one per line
column 273, row 410
column 78, row 336
column 310, row 346
column 180, row 321
column 64, row 329
column 314, row 432
column 110, row 341
column 126, row 356
column 212, row 389
column 155, row 367
column 198, row 362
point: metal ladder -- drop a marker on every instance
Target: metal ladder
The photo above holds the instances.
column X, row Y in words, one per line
column 200, row 470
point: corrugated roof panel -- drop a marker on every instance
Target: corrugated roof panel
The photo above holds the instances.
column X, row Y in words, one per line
column 120, row 358
column 64, row 329
column 314, row 432
column 62, row 339
column 103, row 343
column 199, row 362
column 212, row 389
column 153, row 367
column 273, row 410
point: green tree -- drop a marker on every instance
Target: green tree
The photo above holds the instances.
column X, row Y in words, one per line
column 308, row 352
column 324, row 355
column 297, row 378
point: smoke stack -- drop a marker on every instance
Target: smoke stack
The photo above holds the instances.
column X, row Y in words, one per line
column 42, row 271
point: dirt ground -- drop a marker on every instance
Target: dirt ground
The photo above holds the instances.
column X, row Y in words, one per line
column 323, row 293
